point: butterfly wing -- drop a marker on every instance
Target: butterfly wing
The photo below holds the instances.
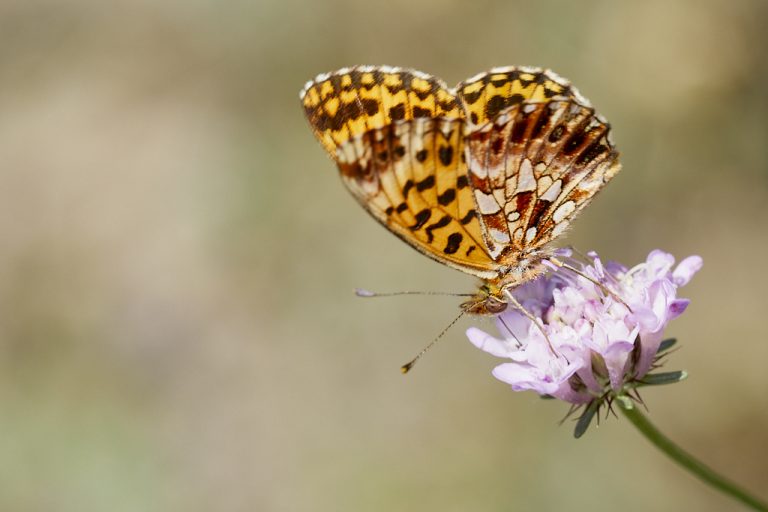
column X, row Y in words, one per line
column 537, row 155
column 486, row 94
column 401, row 155
column 351, row 101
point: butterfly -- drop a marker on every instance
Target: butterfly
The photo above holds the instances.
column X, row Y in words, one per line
column 481, row 177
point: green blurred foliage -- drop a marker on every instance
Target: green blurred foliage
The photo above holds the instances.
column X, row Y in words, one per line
column 177, row 328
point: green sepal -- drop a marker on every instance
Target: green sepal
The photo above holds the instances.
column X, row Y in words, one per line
column 586, row 418
column 666, row 345
column 657, row 379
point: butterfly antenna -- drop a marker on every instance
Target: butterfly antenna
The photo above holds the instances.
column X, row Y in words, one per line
column 361, row 292
column 608, row 291
column 407, row 367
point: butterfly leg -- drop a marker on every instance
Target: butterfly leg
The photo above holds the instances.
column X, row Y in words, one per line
column 529, row 316
column 608, row 291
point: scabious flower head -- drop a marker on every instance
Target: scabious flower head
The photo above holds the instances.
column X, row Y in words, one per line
column 600, row 341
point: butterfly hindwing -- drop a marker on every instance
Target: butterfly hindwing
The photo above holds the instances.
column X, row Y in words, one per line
column 536, row 165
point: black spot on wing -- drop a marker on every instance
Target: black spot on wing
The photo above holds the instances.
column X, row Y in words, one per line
column 494, row 106
column 397, row 112
column 444, row 221
column 421, row 112
column 447, row 197
column 454, row 242
column 421, row 218
column 370, row 106
column 426, row 183
column 472, row 97
column 407, row 188
column 592, row 152
column 446, row 155
column 468, row 217
column 574, row 143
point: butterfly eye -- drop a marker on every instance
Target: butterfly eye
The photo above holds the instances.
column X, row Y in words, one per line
column 494, row 305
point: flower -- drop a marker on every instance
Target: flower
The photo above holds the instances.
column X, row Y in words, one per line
column 603, row 323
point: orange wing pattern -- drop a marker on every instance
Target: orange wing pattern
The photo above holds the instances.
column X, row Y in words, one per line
column 411, row 177
column 351, row 101
column 485, row 95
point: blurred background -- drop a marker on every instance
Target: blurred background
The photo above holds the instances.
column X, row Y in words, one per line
column 177, row 258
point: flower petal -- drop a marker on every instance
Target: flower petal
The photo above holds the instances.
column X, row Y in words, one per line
column 486, row 342
column 677, row 307
column 591, row 336
column 686, row 269
column 659, row 262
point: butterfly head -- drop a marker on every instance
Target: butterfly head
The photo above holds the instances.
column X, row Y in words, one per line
column 489, row 300
column 493, row 296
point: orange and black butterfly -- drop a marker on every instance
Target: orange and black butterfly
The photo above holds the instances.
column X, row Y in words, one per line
column 481, row 177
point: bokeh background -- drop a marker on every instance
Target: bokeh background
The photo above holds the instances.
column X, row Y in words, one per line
column 177, row 259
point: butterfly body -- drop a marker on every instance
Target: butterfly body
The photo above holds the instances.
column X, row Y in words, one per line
column 481, row 177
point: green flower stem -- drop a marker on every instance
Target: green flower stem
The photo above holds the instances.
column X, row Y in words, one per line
column 677, row 454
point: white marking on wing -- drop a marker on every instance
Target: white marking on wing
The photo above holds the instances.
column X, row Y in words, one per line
column 474, row 78
column 486, row 203
column 552, row 192
column 559, row 229
column 500, row 236
column 563, row 211
column 304, row 91
column 526, row 180
column 556, row 78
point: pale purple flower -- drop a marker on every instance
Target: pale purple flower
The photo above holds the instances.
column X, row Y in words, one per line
column 600, row 341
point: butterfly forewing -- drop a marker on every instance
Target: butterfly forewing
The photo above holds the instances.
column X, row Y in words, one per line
column 410, row 176
column 351, row 101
